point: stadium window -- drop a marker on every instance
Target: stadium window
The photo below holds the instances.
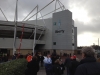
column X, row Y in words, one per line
column 54, row 23
column 54, row 43
column 72, row 30
column 72, row 44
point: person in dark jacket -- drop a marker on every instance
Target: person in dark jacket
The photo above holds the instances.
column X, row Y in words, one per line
column 98, row 60
column 5, row 58
column 54, row 58
column 88, row 65
column 62, row 67
column 41, row 58
column 56, row 68
column 73, row 65
column 32, row 67
column 67, row 62
column 13, row 57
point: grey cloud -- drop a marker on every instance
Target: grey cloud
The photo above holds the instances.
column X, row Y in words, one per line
column 92, row 7
column 41, row 4
column 90, row 27
column 25, row 6
column 8, row 7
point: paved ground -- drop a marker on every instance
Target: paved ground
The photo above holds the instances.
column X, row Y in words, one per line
column 42, row 72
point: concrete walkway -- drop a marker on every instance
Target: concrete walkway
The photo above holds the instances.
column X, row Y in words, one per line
column 42, row 71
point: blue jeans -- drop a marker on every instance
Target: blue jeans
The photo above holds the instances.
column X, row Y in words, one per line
column 48, row 68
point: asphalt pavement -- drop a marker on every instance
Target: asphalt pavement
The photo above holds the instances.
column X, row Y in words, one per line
column 42, row 71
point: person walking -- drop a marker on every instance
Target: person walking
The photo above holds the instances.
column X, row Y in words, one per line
column 62, row 67
column 48, row 64
column 54, row 58
column 73, row 65
column 41, row 58
column 57, row 70
column 32, row 67
column 66, row 63
column 88, row 65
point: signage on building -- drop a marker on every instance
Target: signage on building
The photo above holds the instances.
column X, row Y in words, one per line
column 59, row 31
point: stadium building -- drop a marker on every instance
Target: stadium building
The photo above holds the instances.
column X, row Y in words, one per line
column 57, row 33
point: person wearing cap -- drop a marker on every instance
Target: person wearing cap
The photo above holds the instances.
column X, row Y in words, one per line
column 88, row 65
column 73, row 65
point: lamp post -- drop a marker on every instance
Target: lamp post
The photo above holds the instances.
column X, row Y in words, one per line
column 98, row 44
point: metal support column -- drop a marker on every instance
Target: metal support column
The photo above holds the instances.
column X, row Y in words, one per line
column 44, row 27
column 40, row 10
column 50, row 12
column 34, row 42
column 32, row 34
column 14, row 43
column 98, row 44
column 4, row 14
column 60, row 5
column 98, row 41
column 55, row 5
column 29, row 13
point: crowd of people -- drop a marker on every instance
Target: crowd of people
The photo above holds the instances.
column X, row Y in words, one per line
column 54, row 64
column 3, row 57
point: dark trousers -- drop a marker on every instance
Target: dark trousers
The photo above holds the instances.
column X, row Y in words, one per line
column 68, row 72
column 48, row 72
column 48, row 69
column 41, row 63
column 28, row 72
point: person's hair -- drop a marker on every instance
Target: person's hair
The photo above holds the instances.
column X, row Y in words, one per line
column 48, row 54
column 34, row 58
column 98, row 60
column 57, row 61
column 88, row 51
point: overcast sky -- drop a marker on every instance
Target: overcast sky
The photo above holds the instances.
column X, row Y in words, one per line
column 86, row 14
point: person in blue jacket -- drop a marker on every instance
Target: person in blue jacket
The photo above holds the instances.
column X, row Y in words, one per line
column 48, row 64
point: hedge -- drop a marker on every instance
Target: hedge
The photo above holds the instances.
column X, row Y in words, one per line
column 14, row 67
